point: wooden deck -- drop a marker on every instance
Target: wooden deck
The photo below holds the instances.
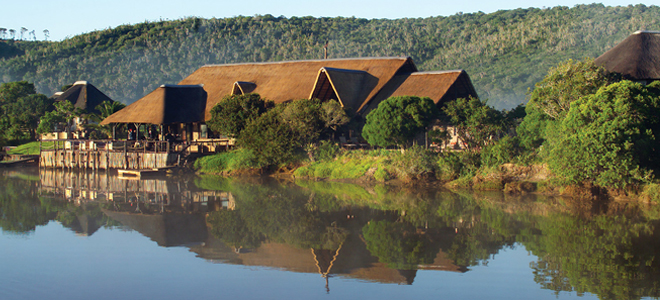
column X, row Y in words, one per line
column 123, row 155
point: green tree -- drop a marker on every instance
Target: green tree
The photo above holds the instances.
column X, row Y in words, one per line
column 610, row 137
column 104, row 109
column 21, row 109
column 333, row 115
column 304, row 118
column 397, row 120
column 270, row 139
column 553, row 96
column 63, row 114
column 476, row 123
column 235, row 112
column 11, row 91
column 566, row 83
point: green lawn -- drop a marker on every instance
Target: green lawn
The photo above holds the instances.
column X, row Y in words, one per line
column 31, row 148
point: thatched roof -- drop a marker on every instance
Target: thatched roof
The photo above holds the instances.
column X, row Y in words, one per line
column 242, row 87
column 168, row 230
column 292, row 80
column 440, row 86
column 83, row 95
column 636, row 57
column 349, row 87
column 359, row 84
column 166, row 105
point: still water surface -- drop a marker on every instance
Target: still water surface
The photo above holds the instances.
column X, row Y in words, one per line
column 83, row 235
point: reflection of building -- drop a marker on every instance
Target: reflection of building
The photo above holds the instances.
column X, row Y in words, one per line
column 149, row 195
column 171, row 213
column 167, row 229
column 352, row 260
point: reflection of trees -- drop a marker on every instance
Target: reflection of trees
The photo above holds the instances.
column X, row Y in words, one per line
column 398, row 244
column 278, row 213
column 613, row 257
column 230, row 228
column 21, row 209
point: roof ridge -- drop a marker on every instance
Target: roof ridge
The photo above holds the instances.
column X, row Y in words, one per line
column 181, row 85
column 646, row 32
column 309, row 60
column 437, row 72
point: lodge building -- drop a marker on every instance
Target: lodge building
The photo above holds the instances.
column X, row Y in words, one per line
column 358, row 84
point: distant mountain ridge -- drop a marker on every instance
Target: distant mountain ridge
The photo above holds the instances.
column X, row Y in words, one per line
column 504, row 52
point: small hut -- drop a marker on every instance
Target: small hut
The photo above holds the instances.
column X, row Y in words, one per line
column 82, row 95
column 637, row 57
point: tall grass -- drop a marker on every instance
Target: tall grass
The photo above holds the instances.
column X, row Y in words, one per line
column 381, row 165
column 226, row 162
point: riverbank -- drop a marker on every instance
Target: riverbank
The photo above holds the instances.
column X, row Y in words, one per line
column 416, row 166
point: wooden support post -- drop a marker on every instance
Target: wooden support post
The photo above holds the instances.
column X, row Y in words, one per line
column 125, row 156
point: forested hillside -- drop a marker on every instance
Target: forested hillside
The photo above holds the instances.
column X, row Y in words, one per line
column 505, row 52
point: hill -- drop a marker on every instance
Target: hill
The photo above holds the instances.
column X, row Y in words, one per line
column 505, row 52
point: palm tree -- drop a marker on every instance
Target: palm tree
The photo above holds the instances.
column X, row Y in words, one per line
column 105, row 109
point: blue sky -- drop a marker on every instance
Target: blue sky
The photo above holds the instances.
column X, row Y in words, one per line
column 65, row 18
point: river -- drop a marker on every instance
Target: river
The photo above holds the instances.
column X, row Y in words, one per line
column 70, row 235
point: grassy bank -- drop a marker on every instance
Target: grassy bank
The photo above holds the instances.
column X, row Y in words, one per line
column 455, row 170
column 31, row 148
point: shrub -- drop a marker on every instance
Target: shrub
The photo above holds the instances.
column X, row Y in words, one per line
column 503, row 151
column 413, row 163
column 651, row 193
column 227, row 161
column 235, row 112
column 452, row 165
column 326, row 150
column 382, row 175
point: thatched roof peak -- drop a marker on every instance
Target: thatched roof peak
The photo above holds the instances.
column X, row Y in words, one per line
column 84, row 95
column 636, row 57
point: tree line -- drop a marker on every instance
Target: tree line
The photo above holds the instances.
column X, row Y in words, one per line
column 504, row 52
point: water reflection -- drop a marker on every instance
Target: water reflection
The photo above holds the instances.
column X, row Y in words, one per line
column 379, row 234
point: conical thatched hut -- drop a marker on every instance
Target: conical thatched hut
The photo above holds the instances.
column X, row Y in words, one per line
column 83, row 95
column 637, row 57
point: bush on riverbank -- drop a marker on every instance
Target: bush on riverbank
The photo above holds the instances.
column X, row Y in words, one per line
column 227, row 162
column 380, row 165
